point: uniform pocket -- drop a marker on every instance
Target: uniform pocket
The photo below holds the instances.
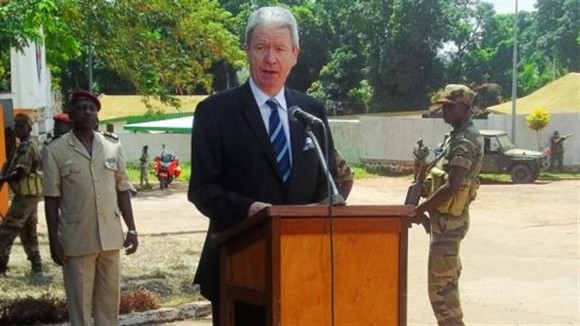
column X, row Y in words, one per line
column 70, row 169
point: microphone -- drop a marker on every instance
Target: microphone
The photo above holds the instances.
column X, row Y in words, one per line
column 297, row 114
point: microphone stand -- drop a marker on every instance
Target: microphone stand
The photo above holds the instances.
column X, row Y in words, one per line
column 334, row 199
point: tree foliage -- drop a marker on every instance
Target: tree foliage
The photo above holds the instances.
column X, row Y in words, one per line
column 537, row 121
column 356, row 55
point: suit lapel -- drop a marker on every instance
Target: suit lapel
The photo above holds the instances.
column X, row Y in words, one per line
column 252, row 115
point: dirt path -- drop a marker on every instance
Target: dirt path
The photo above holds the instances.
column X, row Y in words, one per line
column 521, row 257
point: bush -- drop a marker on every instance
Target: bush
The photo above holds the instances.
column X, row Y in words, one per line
column 138, row 300
column 29, row 310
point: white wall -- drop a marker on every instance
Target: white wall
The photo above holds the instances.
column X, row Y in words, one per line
column 31, row 87
column 383, row 138
column 133, row 144
column 30, row 77
column 394, row 138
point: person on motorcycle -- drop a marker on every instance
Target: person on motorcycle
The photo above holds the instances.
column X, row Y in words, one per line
column 166, row 167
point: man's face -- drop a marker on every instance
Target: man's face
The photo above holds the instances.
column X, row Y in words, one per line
column 84, row 114
column 271, row 57
column 21, row 129
column 454, row 112
column 61, row 127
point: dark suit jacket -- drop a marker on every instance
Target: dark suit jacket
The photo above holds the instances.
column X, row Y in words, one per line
column 233, row 165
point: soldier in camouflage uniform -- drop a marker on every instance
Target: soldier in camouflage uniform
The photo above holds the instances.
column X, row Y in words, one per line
column 26, row 183
column 345, row 175
column 420, row 154
column 453, row 184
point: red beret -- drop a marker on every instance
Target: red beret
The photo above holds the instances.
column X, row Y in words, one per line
column 62, row 117
column 84, row 95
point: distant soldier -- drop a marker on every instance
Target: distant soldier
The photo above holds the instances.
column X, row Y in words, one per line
column 26, row 183
column 62, row 125
column 144, row 168
column 557, row 148
column 345, row 175
column 420, row 154
column 454, row 182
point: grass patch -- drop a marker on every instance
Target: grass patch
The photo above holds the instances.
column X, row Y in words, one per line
column 134, row 173
column 361, row 173
column 546, row 176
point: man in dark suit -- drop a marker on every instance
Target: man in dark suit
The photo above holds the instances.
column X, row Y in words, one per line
column 247, row 153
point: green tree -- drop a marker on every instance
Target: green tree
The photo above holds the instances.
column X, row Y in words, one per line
column 341, row 78
column 26, row 22
column 558, row 25
column 403, row 47
column 537, row 121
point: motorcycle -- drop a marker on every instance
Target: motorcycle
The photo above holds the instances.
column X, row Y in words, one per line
column 167, row 169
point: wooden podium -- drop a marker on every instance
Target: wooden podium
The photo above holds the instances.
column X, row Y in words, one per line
column 278, row 263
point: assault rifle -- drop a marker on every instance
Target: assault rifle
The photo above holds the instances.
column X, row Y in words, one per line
column 415, row 189
column 5, row 170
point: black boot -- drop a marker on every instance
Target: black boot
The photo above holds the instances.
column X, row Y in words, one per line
column 36, row 266
column 3, row 267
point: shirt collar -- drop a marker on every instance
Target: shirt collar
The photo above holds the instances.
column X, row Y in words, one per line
column 261, row 97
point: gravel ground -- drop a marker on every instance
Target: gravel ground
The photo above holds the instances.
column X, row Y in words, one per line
column 521, row 258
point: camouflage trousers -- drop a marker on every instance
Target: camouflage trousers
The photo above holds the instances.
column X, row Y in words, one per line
column 144, row 176
column 21, row 220
column 445, row 266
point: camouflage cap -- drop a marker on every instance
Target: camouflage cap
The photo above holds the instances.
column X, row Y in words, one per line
column 455, row 93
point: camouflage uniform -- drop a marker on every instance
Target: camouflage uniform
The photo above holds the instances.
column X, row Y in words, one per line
column 420, row 154
column 463, row 148
column 144, row 168
column 557, row 147
column 22, row 217
column 344, row 173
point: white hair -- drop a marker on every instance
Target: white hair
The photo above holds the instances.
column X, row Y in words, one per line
column 272, row 17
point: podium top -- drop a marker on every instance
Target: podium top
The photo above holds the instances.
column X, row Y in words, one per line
column 314, row 211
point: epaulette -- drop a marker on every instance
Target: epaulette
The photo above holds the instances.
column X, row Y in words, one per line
column 109, row 134
column 50, row 140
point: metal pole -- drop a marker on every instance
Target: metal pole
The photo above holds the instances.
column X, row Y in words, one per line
column 515, row 75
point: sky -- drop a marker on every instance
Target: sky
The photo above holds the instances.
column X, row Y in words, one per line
column 509, row 6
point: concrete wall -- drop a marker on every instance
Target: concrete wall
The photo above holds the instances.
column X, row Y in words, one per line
column 390, row 139
column 133, row 144
column 394, row 138
column 30, row 82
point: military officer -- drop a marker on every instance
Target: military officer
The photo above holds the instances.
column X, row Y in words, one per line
column 454, row 182
column 26, row 184
column 86, row 191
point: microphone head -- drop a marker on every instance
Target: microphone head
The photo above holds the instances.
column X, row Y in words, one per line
column 292, row 112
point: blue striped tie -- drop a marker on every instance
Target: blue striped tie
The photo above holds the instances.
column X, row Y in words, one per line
column 278, row 140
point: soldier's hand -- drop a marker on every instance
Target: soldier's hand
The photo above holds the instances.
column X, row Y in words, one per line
column 416, row 218
column 57, row 254
column 131, row 243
